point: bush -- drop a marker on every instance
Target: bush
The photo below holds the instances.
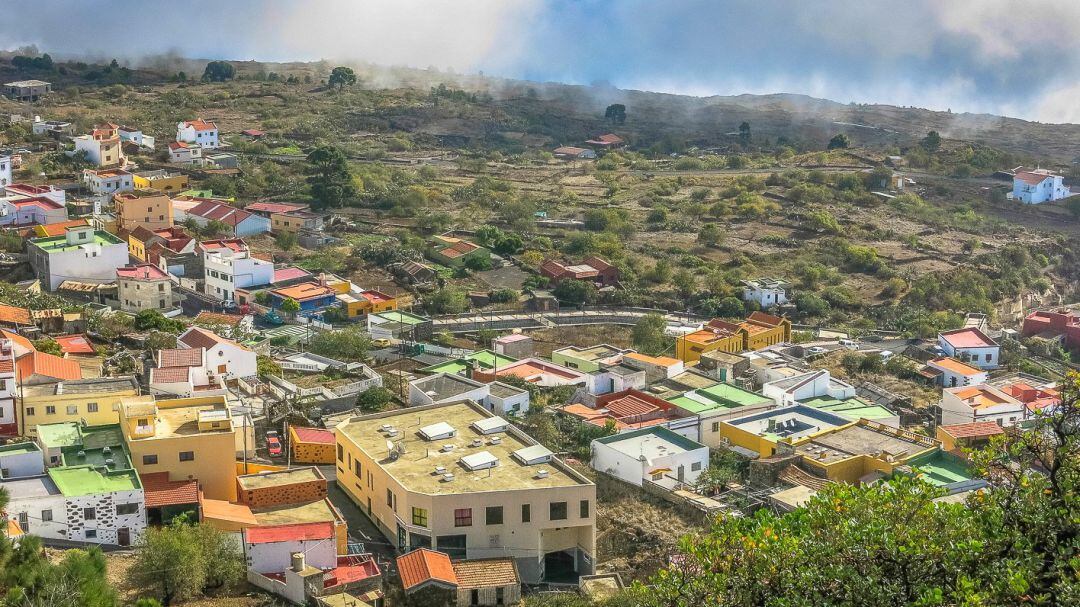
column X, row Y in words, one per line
column 811, row 304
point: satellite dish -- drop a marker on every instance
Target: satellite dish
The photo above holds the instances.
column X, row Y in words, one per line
column 389, row 446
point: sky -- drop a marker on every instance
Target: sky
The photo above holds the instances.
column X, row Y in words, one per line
column 1018, row 59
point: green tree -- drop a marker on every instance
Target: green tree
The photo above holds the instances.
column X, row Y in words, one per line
column 159, row 340
column 648, row 334
column 575, row 292
column 285, row 240
column 744, row 134
column 811, row 304
column 329, row 178
column 710, row 235
column 932, row 142
column 341, row 77
column 730, row 307
column 448, row 300
column 349, row 344
column 290, row 306
column 183, row 561
column 374, row 399
column 48, row 345
column 615, row 113
column 219, row 71
column 839, row 141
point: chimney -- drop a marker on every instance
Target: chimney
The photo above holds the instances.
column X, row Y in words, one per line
column 298, row 564
column 470, row 368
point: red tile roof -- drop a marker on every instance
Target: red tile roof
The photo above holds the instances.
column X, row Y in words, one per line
column 422, row 566
column 302, row 532
column 272, row 207
column 170, row 375
column 303, row 291
column 39, row 363
column 197, row 337
column 160, row 491
column 60, row 228
column 486, row 573
column 13, row 315
column 219, row 211
column 143, row 271
column 350, row 569
column 313, row 435
column 1032, row 177
column 215, row 318
column 180, row 357
column 629, row 406
column 201, row 125
column 74, row 344
column 973, row 430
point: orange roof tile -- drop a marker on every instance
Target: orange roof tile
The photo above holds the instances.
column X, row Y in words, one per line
column 486, row 573
column 977, row 429
column 951, row 364
column 160, row 491
column 301, row 532
column 13, row 315
column 18, row 339
column 74, row 344
column 39, row 363
column 422, row 566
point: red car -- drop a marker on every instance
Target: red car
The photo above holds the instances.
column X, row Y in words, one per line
column 273, row 445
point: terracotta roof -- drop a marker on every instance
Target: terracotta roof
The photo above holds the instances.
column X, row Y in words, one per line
column 969, row 337
column 143, row 271
column 1032, row 177
column 422, row 566
column 13, row 315
column 253, row 132
column 39, row 363
column 973, row 430
column 224, row 511
column 629, row 406
column 313, row 435
column 18, row 339
column 201, row 125
column 170, row 375
column 160, row 491
column 951, row 364
column 272, row 207
column 180, row 357
column 302, row 532
column 486, row 573
column 215, row 318
column 218, row 211
column 197, row 337
column 60, row 228
column 176, row 145
column 303, row 291
column 74, row 344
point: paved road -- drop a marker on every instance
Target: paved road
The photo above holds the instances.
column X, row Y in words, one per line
column 361, row 529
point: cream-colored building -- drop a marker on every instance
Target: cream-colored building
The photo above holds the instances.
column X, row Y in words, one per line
column 95, row 401
column 190, row 438
column 150, row 209
column 458, row 479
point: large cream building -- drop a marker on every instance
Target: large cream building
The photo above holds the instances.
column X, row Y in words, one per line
column 455, row 478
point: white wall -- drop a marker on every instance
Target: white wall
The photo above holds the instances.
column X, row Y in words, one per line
column 22, row 464
column 5, row 170
column 238, row 361
column 632, row 470
column 82, row 264
column 276, row 557
column 504, row 406
column 973, row 356
column 33, row 507
column 956, row 411
column 766, row 298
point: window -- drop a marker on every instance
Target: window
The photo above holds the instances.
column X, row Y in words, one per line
column 583, row 509
column 419, row 517
column 149, row 460
column 989, row 357
column 161, row 287
column 73, row 409
column 91, row 408
column 91, row 534
column 89, row 514
column 463, row 517
column 716, row 426
column 694, row 467
column 389, row 498
column 127, row 508
column 557, row 511
column 340, row 454
column 29, row 411
column 50, row 410
column 187, row 456
column 526, row 513
column 356, row 467
column 494, row 515
column 46, row 516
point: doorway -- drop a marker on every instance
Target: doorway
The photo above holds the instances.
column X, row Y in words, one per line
column 123, row 536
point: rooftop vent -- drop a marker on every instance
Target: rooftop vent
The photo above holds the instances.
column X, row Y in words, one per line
column 440, row 469
column 385, row 427
column 477, row 442
column 541, row 473
column 81, row 453
column 109, row 463
column 106, row 450
column 437, row 431
column 479, row 461
column 495, row 440
column 392, row 432
column 448, row 477
column 447, row 448
column 490, row 425
column 535, row 454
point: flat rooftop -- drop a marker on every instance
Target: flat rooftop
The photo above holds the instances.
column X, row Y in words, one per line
column 280, row 478
column 88, row 480
column 445, row 385
column 792, row 422
column 59, row 244
column 941, row 468
column 852, row 408
column 94, row 385
column 66, row 435
column 864, row 439
column 35, row 486
column 400, row 317
column 315, row 511
column 484, row 359
column 650, row 443
column 592, row 353
column 19, row 449
column 415, row 468
column 720, row 396
column 180, row 419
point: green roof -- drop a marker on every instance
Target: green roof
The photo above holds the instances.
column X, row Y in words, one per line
column 19, row 448
column 720, row 396
column 63, row 434
column 59, row 244
column 485, row 359
column 941, row 468
column 205, row 194
column 852, row 408
column 72, row 434
column 87, row 480
column 402, row 317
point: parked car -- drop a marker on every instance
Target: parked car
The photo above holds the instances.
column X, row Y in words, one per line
column 382, row 342
column 815, row 350
column 850, row 344
column 273, row 445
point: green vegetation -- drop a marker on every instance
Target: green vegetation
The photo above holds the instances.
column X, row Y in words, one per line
column 350, row 344
column 183, row 561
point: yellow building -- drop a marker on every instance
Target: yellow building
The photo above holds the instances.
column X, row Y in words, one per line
column 758, row 331
column 146, row 208
column 161, row 180
column 762, row 432
column 95, row 401
column 860, row 452
column 367, row 302
column 190, row 438
column 455, row 478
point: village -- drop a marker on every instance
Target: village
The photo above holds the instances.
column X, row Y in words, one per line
column 166, row 357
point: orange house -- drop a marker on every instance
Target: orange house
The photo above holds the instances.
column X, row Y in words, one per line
column 758, row 331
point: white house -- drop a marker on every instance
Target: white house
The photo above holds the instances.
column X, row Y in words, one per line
column 5, row 169
column 223, row 356
column 8, row 423
column 24, row 190
column 185, row 153
column 767, row 292
column 269, row 549
column 791, row 390
column 1038, row 186
column 19, row 460
column 109, row 181
column 200, row 132
column 653, row 454
column 228, row 265
column 497, row 397
column 954, row 373
column 972, row 346
column 981, row 403
column 81, row 254
column 136, row 136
